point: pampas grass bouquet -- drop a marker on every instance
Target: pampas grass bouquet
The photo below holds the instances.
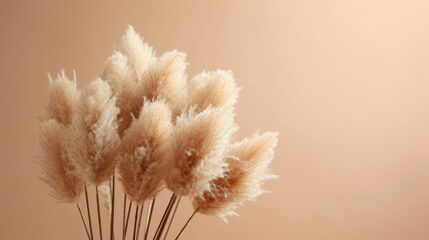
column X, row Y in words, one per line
column 143, row 124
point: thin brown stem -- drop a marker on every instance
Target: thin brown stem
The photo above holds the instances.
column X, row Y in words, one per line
column 98, row 212
column 123, row 217
column 126, row 222
column 186, row 224
column 89, row 212
column 163, row 216
column 83, row 221
column 140, row 221
column 135, row 222
column 112, row 215
column 172, row 217
column 158, row 237
column 149, row 218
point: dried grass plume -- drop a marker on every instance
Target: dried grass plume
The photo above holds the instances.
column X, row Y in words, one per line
column 105, row 194
column 166, row 79
column 124, row 72
column 94, row 144
column 145, row 146
column 248, row 163
column 58, row 170
column 63, row 98
column 216, row 89
column 198, row 146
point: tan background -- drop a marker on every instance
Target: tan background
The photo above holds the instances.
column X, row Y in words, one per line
column 345, row 82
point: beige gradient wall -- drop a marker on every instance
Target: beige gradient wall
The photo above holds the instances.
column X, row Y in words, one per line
column 346, row 83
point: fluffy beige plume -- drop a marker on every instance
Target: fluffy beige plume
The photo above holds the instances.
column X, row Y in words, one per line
column 166, row 79
column 124, row 70
column 217, row 89
column 59, row 172
column 199, row 144
column 119, row 75
column 145, row 146
column 248, row 168
column 63, row 97
column 105, row 195
column 94, row 141
column 139, row 54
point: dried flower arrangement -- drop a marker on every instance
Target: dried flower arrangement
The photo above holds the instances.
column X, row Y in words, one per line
column 146, row 124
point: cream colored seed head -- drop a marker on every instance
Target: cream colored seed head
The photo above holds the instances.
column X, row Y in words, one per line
column 94, row 141
column 63, row 98
column 199, row 144
column 58, row 171
column 145, row 146
column 248, row 168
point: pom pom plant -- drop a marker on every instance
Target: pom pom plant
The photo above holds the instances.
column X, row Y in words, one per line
column 146, row 124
